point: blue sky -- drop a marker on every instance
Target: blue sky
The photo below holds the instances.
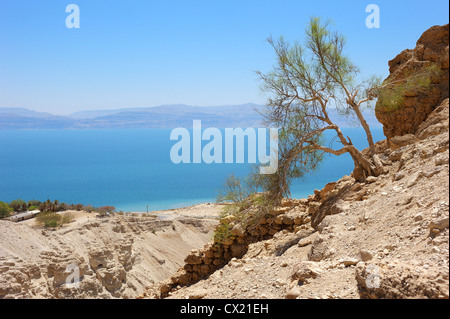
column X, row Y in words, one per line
column 139, row 53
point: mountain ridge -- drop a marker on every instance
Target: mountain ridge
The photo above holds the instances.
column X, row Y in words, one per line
column 163, row 116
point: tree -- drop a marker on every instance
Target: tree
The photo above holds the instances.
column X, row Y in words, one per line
column 105, row 209
column 55, row 205
column 33, row 204
column 89, row 208
column 47, row 205
column 5, row 210
column 305, row 83
column 62, row 207
column 18, row 205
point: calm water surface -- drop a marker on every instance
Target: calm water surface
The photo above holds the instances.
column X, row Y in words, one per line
column 128, row 169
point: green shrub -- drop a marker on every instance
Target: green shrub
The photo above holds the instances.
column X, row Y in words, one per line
column 222, row 232
column 67, row 218
column 89, row 208
column 33, row 203
column 5, row 210
column 392, row 96
column 49, row 219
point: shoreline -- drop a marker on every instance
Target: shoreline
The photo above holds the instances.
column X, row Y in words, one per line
column 206, row 210
column 202, row 210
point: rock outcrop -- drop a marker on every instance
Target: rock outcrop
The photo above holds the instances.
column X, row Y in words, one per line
column 404, row 107
column 400, row 279
column 115, row 257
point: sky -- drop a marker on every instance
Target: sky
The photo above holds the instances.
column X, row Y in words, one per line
column 141, row 53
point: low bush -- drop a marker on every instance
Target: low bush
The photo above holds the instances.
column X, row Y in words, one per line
column 49, row 219
column 5, row 210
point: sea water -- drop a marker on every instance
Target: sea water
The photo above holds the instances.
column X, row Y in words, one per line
column 129, row 169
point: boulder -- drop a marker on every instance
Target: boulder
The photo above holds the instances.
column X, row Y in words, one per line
column 306, row 270
column 404, row 140
column 400, row 280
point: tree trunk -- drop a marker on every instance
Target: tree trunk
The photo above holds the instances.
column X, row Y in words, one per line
column 363, row 166
column 364, row 124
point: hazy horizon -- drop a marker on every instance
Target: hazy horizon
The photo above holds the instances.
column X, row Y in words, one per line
column 125, row 108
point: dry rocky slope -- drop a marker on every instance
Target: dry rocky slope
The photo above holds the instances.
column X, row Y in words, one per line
column 117, row 257
column 385, row 238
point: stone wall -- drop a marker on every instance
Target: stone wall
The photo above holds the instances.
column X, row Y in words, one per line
column 200, row 264
column 292, row 215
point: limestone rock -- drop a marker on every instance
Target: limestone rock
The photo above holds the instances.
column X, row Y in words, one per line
column 320, row 250
column 436, row 123
column 306, row 270
column 439, row 224
column 293, row 293
column 371, row 179
column 400, row 280
column 400, row 141
column 431, row 48
column 348, row 261
column 365, row 255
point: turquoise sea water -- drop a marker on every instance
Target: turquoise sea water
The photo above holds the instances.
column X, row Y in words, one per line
column 128, row 169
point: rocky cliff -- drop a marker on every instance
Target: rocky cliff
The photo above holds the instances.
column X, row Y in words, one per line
column 417, row 83
column 114, row 257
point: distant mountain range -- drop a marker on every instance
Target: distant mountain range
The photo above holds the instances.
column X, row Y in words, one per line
column 164, row 116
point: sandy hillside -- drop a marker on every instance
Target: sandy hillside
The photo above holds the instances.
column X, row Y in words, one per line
column 116, row 256
column 204, row 210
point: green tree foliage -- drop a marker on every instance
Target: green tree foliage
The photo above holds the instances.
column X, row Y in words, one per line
column 54, row 206
column 248, row 199
column 46, row 206
column 18, row 205
column 5, row 210
column 306, row 82
column 411, row 82
column 33, row 204
column 222, row 232
column 245, row 192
